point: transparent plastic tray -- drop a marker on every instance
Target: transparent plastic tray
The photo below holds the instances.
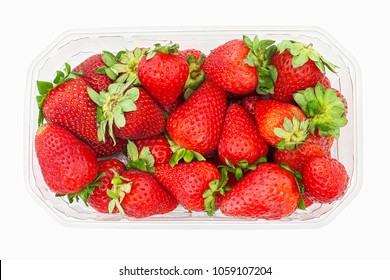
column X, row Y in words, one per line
column 76, row 45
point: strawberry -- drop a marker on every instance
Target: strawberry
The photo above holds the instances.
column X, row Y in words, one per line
column 197, row 124
column 139, row 195
column 237, row 66
column 325, row 179
column 196, row 76
column 89, row 69
column 268, row 192
column 66, row 102
column 108, row 148
column 95, row 194
column 281, row 124
column 325, row 108
column 128, row 113
column 158, row 146
column 67, row 164
column 172, row 107
column 187, row 182
column 298, row 67
column 240, row 141
column 315, row 145
column 163, row 73
column 249, row 103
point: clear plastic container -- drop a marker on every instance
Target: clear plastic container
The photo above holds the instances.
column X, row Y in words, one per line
column 76, row 45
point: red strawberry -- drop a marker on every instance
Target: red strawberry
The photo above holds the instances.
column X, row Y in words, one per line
column 234, row 65
column 269, row 192
column 128, row 113
column 139, row 195
column 281, row 124
column 163, row 73
column 98, row 198
column 187, row 182
column 297, row 158
column 325, row 179
column 172, row 107
column 197, row 124
column 158, row 146
column 240, row 140
column 108, row 148
column 67, row 164
column 325, row 82
column 66, row 102
column 249, row 103
column 298, row 67
column 89, row 67
column 196, row 76
column 325, row 108
column 306, row 200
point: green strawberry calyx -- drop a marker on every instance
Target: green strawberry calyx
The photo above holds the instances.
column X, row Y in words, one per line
column 302, row 52
column 85, row 192
column 242, row 167
column 180, row 153
column 45, row 87
column 120, row 187
column 217, row 186
column 325, row 108
column 143, row 160
column 169, row 48
column 298, row 180
column 196, row 75
column 259, row 56
column 122, row 67
column 112, row 105
column 293, row 133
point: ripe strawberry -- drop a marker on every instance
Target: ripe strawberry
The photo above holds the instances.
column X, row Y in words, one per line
column 197, row 124
column 315, row 145
column 281, row 124
column 249, row 104
column 139, row 195
column 269, row 192
column 172, row 107
column 67, row 164
column 325, row 108
column 128, row 113
column 108, row 148
column 325, row 179
column 196, row 76
column 163, row 73
column 237, row 66
column 89, row 69
column 66, row 102
column 298, row 67
column 187, row 182
column 158, row 146
column 240, row 141
column 97, row 196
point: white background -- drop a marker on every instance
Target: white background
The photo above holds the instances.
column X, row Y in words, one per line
column 361, row 231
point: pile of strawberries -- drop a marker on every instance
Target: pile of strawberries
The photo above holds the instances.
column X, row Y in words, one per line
column 247, row 129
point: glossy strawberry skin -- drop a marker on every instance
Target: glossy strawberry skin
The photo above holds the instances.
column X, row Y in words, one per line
column 325, row 179
column 172, row 107
column 98, row 82
column 226, row 68
column 99, row 199
column 147, row 121
column 197, row 123
column 187, row 182
column 270, row 114
column 240, row 139
column 67, row 164
column 105, row 149
column 158, row 146
column 290, row 79
column 194, row 52
column 163, row 76
column 269, row 192
column 69, row 105
column 147, row 197
column 297, row 158
column 249, row 104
